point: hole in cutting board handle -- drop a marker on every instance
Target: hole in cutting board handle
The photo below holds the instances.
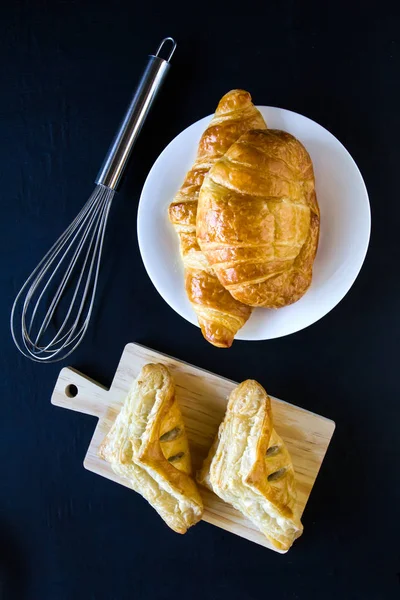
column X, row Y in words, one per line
column 71, row 391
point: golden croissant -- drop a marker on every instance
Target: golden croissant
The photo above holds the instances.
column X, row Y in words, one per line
column 249, row 466
column 258, row 219
column 148, row 446
column 220, row 316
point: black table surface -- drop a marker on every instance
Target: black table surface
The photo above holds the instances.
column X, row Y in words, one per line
column 67, row 72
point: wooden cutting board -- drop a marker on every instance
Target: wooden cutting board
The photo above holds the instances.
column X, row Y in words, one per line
column 202, row 397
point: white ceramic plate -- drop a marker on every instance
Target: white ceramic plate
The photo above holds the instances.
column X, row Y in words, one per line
column 344, row 236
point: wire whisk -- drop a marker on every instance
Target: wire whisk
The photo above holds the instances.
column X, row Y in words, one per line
column 83, row 238
column 67, row 276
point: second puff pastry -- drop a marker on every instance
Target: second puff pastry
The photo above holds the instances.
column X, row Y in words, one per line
column 148, row 446
column 250, row 467
column 258, row 219
column 220, row 316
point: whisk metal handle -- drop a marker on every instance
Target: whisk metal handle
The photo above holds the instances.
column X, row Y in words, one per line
column 152, row 79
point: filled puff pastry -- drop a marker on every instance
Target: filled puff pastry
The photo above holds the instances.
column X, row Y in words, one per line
column 258, row 219
column 250, row 467
column 148, row 446
column 220, row 316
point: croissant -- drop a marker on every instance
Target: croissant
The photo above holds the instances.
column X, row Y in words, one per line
column 220, row 316
column 258, row 219
column 249, row 466
column 148, row 446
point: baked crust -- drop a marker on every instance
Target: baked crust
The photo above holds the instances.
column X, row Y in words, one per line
column 258, row 219
column 249, row 466
column 220, row 316
column 148, row 446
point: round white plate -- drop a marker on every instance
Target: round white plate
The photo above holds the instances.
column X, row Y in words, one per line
column 344, row 236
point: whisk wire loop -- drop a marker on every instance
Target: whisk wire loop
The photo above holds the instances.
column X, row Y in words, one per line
column 80, row 245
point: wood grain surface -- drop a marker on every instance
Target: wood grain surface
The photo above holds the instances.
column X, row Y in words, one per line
column 202, row 397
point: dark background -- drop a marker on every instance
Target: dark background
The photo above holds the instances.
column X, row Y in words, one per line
column 67, row 72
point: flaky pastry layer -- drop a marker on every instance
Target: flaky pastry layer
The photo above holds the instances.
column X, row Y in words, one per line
column 249, row 466
column 148, row 446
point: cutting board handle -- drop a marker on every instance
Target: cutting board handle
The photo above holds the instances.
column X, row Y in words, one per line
column 75, row 391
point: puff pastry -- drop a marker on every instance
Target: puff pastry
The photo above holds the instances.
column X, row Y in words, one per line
column 220, row 316
column 148, row 446
column 258, row 219
column 250, row 467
